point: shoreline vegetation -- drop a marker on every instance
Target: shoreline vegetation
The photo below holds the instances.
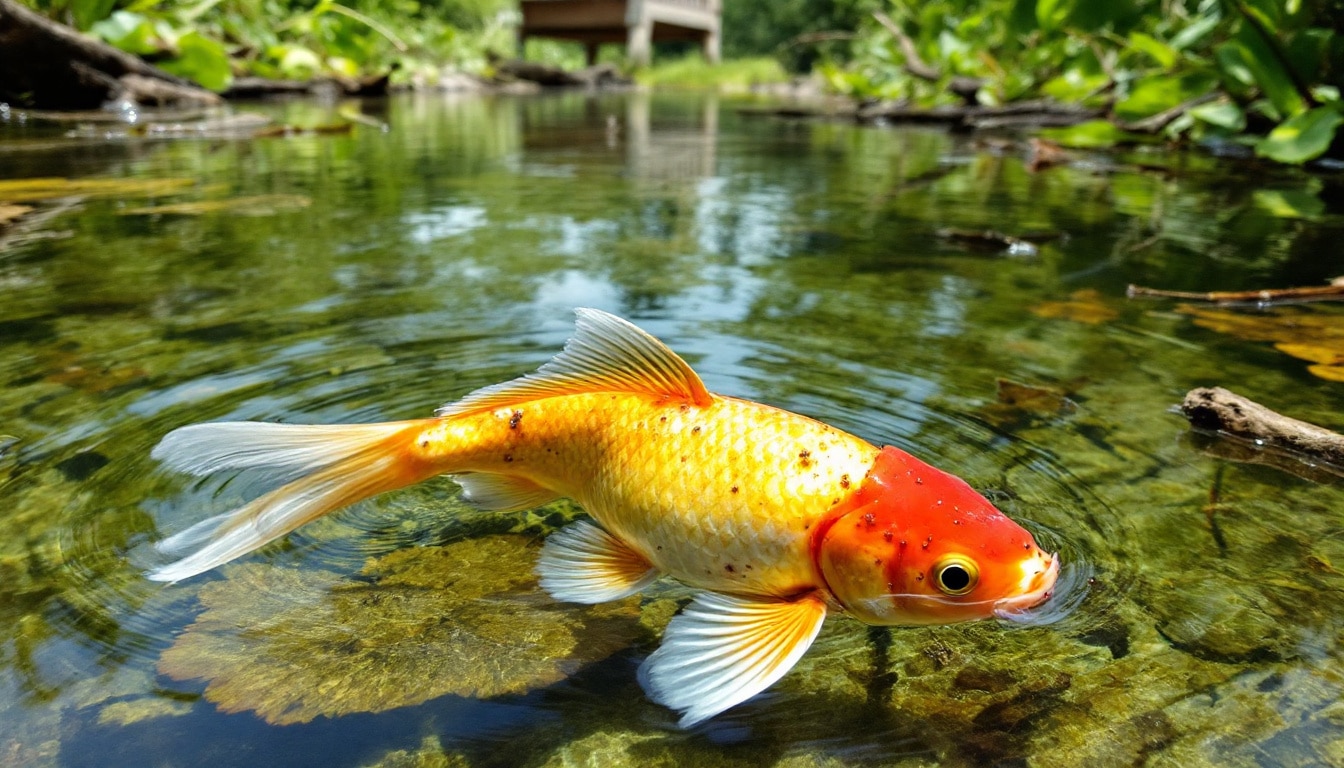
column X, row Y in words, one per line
column 1240, row 77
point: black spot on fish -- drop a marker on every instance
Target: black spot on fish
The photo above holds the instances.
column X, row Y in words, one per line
column 844, row 481
column 515, row 419
column 695, row 430
column 733, row 489
column 729, row 568
column 508, row 457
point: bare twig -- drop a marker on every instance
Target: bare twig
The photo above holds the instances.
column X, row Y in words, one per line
column 1335, row 290
column 964, row 87
column 913, row 63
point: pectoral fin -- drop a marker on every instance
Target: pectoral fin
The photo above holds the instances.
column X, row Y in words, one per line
column 722, row 650
column 503, row 493
column 585, row 564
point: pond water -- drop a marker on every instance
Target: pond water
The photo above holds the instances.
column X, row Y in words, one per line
column 374, row 275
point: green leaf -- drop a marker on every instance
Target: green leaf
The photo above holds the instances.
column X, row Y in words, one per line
column 1159, row 51
column 1289, row 204
column 201, row 59
column 86, row 12
column 1234, row 64
column 1196, row 31
column 1306, row 52
column 128, row 31
column 1269, row 73
column 1301, row 138
column 1089, row 135
column 1051, row 14
column 1151, row 95
column 1224, row 115
column 1074, row 84
column 296, row 61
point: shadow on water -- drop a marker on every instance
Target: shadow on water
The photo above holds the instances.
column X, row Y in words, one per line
column 1201, row 612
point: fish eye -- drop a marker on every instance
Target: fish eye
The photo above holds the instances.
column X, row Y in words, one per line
column 956, row 574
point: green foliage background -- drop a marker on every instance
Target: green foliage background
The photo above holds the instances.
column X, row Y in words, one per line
column 1265, row 73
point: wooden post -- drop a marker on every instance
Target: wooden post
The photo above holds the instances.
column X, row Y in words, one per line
column 710, row 45
column 639, row 37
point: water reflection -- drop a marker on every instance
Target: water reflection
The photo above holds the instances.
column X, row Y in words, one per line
column 794, row 263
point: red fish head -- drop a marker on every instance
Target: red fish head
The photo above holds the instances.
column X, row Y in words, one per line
column 915, row 545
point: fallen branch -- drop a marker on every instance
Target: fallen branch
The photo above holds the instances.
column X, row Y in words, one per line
column 965, row 87
column 1333, row 291
column 1214, row 409
column 49, row 65
column 1032, row 112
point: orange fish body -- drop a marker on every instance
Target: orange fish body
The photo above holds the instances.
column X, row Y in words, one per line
column 776, row 517
column 699, row 491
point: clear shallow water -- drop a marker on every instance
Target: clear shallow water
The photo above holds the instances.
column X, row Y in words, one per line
column 795, row 263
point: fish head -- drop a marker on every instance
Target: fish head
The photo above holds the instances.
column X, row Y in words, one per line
column 916, row 545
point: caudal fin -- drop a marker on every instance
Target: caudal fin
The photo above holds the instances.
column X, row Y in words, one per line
column 328, row 467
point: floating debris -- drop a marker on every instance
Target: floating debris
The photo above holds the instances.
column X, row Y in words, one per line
column 1013, row 246
column 255, row 205
column 1083, row 306
column 53, row 188
column 1039, row 400
column 1317, row 337
column 1215, row 409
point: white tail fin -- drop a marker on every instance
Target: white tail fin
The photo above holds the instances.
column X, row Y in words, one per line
column 336, row 465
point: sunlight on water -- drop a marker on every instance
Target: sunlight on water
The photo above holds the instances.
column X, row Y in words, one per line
column 1199, row 615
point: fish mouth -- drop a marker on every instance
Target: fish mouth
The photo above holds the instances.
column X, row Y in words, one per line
column 1040, row 586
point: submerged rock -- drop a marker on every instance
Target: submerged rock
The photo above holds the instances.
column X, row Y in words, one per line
column 465, row 619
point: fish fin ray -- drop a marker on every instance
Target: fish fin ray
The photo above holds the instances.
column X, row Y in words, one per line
column 502, row 493
column 352, row 463
column 200, row 449
column 584, row 564
column 606, row 354
column 722, row 649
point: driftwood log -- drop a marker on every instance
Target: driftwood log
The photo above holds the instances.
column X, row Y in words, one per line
column 47, row 65
column 1214, row 409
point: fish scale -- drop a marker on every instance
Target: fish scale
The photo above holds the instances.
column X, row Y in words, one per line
column 660, row 476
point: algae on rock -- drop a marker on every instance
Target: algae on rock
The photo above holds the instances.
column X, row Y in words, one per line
column 465, row 619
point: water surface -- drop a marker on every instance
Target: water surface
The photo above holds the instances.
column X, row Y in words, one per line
column 379, row 274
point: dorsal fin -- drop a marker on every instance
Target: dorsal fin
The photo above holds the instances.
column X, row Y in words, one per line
column 607, row 354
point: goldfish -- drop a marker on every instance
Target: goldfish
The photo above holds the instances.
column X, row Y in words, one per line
column 773, row 519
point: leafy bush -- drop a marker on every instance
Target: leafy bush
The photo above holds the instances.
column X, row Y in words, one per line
column 1203, row 70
